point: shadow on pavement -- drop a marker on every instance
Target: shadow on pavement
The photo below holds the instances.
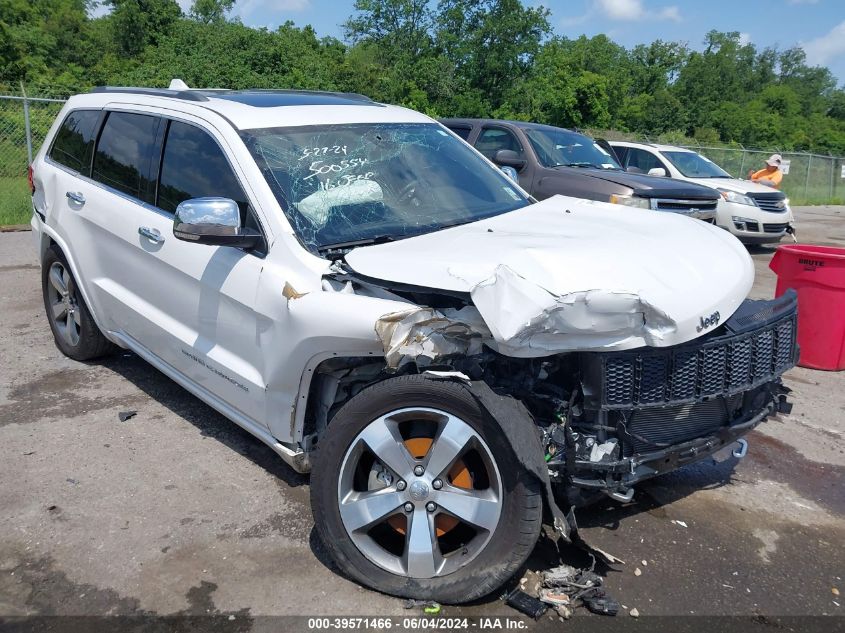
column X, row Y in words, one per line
column 208, row 421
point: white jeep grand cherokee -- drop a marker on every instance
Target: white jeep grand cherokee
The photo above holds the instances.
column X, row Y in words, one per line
column 365, row 293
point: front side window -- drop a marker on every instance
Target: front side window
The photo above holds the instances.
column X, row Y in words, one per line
column 491, row 140
column 556, row 147
column 194, row 166
column 694, row 165
column 75, row 140
column 340, row 184
column 124, row 154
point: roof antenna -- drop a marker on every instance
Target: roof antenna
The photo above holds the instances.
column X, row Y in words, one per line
column 178, row 84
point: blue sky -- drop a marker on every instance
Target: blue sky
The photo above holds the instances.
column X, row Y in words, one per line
column 816, row 25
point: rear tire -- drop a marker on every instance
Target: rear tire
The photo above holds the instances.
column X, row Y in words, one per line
column 74, row 330
column 372, row 429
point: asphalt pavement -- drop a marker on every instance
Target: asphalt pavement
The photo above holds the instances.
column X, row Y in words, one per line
column 176, row 511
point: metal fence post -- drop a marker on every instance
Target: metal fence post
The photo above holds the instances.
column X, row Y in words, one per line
column 742, row 164
column 27, row 126
column 832, row 171
column 807, row 181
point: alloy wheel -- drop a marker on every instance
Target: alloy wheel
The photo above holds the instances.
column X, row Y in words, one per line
column 63, row 304
column 419, row 492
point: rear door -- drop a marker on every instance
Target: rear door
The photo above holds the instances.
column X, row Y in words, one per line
column 116, row 197
column 66, row 203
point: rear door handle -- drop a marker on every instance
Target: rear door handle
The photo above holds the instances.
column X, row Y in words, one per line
column 75, row 196
column 151, row 234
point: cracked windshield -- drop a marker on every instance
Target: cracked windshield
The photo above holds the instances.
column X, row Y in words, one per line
column 347, row 185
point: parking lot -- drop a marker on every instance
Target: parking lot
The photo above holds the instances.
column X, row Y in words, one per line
column 178, row 511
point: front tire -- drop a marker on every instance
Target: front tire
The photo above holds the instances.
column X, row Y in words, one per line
column 417, row 494
column 74, row 330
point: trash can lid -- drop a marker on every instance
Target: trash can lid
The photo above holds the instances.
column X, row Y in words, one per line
column 828, row 252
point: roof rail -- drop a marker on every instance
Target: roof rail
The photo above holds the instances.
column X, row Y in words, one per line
column 186, row 95
column 285, row 91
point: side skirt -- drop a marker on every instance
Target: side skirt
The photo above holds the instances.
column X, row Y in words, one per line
column 296, row 458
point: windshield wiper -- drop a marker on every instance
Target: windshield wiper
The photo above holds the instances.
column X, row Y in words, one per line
column 339, row 249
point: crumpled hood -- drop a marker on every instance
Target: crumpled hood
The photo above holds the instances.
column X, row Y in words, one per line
column 568, row 274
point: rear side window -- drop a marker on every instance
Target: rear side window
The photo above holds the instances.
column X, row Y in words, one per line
column 75, row 140
column 194, row 166
column 621, row 153
column 463, row 132
column 643, row 161
column 124, row 151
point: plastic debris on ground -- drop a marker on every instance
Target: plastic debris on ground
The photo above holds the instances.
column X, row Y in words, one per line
column 524, row 603
column 126, row 415
column 429, row 607
column 563, row 588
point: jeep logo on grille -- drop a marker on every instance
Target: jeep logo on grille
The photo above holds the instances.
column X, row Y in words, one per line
column 709, row 322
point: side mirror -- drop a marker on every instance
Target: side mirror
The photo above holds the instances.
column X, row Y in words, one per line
column 509, row 158
column 213, row 221
column 510, row 172
column 657, row 171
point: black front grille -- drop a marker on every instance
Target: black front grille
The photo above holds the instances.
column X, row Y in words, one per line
column 757, row 345
column 752, row 226
column 771, row 202
column 686, row 205
column 655, row 428
column 774, row 228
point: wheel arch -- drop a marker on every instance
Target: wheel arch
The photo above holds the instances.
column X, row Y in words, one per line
column 49, row 238
column 316, row 401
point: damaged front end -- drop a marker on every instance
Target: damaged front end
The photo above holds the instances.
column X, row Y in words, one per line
column 644, row 412
column 609, row 419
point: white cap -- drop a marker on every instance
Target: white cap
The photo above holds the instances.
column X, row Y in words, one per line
column 774, row 160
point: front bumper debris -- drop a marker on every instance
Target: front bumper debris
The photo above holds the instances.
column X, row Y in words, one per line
column 651, row 411
column 619, row 475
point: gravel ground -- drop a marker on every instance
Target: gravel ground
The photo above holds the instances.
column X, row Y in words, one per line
column 178, row 511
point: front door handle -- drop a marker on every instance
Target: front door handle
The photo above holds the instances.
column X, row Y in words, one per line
column 75, row 196
column 151, row 234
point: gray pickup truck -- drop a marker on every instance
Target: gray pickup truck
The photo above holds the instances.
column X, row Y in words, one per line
column 550, row 160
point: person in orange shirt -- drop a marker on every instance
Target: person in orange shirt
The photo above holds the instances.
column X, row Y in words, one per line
column 770, row 175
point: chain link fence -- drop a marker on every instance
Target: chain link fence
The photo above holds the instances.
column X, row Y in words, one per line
column 808, row 178
column 24, row 122
column 26, row 117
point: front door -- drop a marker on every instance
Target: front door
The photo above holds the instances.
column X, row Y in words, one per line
column 190, row 305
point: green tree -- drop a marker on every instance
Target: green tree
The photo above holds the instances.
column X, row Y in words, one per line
column 492, row 43
column 141, row 23
column 401, row 28
column 211, row 11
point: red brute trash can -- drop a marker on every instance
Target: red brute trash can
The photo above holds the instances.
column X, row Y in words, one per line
column 817, row 273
